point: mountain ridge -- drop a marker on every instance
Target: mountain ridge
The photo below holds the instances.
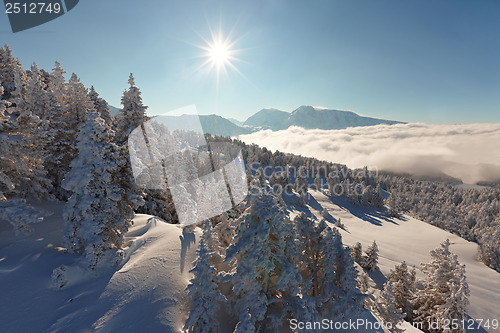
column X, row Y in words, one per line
column 305, row 116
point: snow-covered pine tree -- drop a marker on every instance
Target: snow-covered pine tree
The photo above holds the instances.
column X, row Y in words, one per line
column 387, row 310
column 101, row 106
column 7, row 183
column 392, row 208
column 309, row 254
column 40, row 102
column 346, row 277
column 445, row 291
column 300, row 185
column 338, row 292
column 332, row 180
column 317, row 182
column 357, row 253
column 98, row 213
column 23, row 129
column 203, row 290
column 132, row 115
column 64, row 126
column 339, row 223
column 266, row 280
column 363, row 283
column 403, row 287
column 366, row 196
column 371, row 259
column 57, row 83
column 329, row 291
column 377, row 198
column 8, row 67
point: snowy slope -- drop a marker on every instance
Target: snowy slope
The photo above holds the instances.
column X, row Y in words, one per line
column 146, row 294
column 410, row 240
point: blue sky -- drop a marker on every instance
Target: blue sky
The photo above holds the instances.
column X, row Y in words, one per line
column 428, row 61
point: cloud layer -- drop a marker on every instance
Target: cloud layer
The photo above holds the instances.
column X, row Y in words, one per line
column 470, row 152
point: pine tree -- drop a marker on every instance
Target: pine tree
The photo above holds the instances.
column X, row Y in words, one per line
column 366, row 196
column 346, row 275
column 7, row 183
column 132, row 115
column 392, row 208
column 58, row 83
column 8, row 68
column 317, row 182
column 357, row 253
column 300, row 185
column 377, row 198
column 98, row 213
column 22, row 130
column 101, row 106
column 203, row 290
column 371, row 259
column 403, row 286
column 387, row 310
column 265, row 270
column 445, row 292
column 363, row 283
column 329, row 291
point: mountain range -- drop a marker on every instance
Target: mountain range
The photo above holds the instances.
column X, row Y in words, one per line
column 308, row 117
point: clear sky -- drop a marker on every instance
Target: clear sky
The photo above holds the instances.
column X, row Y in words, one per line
column 432, row 61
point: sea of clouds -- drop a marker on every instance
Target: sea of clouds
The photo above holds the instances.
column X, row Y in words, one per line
column 470, row 152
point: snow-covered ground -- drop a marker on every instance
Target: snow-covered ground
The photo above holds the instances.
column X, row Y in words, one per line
column 146, row 292
column 408, row 239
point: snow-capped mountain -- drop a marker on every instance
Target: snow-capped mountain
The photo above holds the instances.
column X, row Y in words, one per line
column 311, row 117
column 308, row 117
column 273, row 119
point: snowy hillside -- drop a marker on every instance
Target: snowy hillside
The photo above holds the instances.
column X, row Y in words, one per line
column 408, row 239
column 144, row 293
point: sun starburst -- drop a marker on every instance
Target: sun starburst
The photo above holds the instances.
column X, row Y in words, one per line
column 220, row 54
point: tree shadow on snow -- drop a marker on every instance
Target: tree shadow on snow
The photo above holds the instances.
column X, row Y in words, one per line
column 313, row 203
column 187, row 239
column 368, row 214
column 377, row 277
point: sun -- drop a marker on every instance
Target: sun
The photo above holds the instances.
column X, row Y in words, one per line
column 219, row 54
